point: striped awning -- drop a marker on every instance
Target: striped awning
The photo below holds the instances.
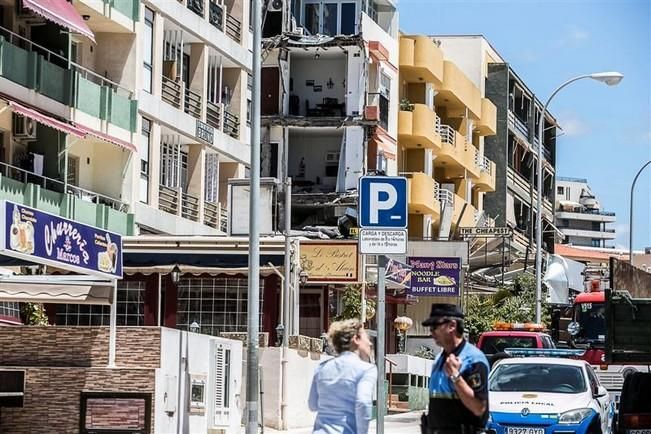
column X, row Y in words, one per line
column 52, row 293
column 62, row 13
column 46, row 120
column 108, row 138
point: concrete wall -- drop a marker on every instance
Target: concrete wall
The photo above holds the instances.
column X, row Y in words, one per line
column 312, row 147
column 184, row 357
column 115, row 58
column 319, row 71
column 101, row 166
column 300, row 370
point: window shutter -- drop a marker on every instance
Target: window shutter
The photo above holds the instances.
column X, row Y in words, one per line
column 221, row 377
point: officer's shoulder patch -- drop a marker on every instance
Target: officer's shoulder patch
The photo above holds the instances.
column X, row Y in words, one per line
column 474, row 380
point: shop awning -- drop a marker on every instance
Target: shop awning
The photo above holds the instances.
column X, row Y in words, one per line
column 108, row 138
column 386, row 145
column 45, row 293
column 62, row 13
column 45, row 120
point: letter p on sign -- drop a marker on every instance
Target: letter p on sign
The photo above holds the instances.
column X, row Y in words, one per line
column 383, row 202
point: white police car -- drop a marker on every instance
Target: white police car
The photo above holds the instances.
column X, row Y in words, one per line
column 547, row 395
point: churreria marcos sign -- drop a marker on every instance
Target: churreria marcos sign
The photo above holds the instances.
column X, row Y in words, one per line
column 41, row 237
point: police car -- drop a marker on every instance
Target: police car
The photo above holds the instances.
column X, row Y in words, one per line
column 547, row 395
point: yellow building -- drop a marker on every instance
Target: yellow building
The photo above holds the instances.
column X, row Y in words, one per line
column 442, row 122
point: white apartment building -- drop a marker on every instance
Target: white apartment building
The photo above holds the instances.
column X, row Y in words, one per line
column 329, row 100
column 580, row 216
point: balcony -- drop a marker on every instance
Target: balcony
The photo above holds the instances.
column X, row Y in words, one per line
column 47, row 194
column 521, row 186
column 47, row 73
column 417, row 128
column 231, row 26
column 587, row 215
column 518, row 126
column 458, row 93
column 486, row 180
column 173, row 200
column 421, row 193
column 215, row 216
column 487, row 125
column 377, row 109
column 103, row 17
column 454, row 154
column 421, row 61
column 608, row 234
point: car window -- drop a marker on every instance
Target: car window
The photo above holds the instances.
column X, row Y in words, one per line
column 594, row 381
column 534, row 377
column 497, row 344
column 547, row 342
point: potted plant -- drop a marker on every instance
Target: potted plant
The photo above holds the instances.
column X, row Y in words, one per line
column 406, row 105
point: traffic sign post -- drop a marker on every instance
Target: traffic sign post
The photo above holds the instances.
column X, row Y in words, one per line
column 383, row 222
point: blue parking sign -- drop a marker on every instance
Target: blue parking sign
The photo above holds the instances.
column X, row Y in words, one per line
column 383, row 202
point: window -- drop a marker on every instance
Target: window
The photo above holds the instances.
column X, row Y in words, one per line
column 330, row 18
column 10, row 309
column 115, row 412
column 130, row 308
column 212, row 178
column 143, row 152
column 348, row 19
column 560, row 190
column 147, row 49
column 248, row 112
column 216, row 304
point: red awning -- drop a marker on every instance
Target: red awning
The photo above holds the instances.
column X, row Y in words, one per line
column 46, row 120
column 108, row 138
column 386, row 144
column 62, row 13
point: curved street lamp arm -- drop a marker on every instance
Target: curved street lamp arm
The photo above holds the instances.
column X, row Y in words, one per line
column 630, row 217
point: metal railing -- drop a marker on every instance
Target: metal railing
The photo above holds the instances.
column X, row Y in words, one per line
column 233, row 28
column 446, row 196
column 172, row 92
column 192, row 105
column 437, row 189
column 231, row 124
column 391, row 365
column 588, row 211
column 517, row 124
column 168, row 199
column 214, row 114
column 189, row 207
column 437, row 124
column 448, row 135
column 223, row 219
column 216, row 15
column 26, row 176
column 485, row 166
column 211, row 214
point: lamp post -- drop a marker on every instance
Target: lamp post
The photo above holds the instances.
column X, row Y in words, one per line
column 402, row 324
column 611, row 79
column 630, row 218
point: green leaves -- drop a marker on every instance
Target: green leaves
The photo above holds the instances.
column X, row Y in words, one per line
column 352, row 304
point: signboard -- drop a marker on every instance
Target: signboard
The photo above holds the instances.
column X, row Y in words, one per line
column 383, row 202
column 398, row 273
column 330, row 262
column 45, row 238
column 205, row 132
column 435, row 276
column 486, row 232
column 383, row 241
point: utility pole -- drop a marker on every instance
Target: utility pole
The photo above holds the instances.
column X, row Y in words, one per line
column 252, row 378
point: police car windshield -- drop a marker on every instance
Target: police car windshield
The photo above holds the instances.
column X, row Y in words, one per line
column 497, row 344
column 532, row 377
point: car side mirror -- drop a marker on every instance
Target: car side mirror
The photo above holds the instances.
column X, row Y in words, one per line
column 601, row 391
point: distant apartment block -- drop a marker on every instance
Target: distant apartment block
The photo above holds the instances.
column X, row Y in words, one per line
column 580, row 216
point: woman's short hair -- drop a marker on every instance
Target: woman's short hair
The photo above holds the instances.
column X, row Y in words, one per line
column 341, row 334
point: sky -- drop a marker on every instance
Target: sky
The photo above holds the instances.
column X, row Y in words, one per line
column 607, row 135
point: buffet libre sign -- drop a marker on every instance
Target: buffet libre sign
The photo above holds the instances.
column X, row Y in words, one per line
column 435, row 276
column 44, row 238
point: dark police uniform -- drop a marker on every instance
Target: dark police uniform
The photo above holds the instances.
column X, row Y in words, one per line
column 447, row 413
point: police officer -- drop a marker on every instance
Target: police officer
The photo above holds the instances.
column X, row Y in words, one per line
column 458, row 387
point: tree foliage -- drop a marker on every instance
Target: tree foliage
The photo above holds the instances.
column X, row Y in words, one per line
column 34, row 314
column 352, row 304
column 514, row 303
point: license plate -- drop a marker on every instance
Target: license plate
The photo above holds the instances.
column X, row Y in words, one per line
column 638, row 431
column 524, row 430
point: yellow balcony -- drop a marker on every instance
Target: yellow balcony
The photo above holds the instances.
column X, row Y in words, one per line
column 468, row 218
column 417, row 128
column 487, row 125
column 486, row 180
column 421, row 193
column 421, row 61
column 458, row 93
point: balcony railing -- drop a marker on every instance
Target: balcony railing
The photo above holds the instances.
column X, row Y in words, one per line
column 215, row 216
column 485, row 165
column 233, row 28
column 196, row 6
column 231, row 124
column 216, row 15
column 192, row 105
column 189, row 207
column 448, row 135
column 214, row 115
column 518, row 125
column 168, row 199
column 446, row 196
column 171, row 92
column 437, row 125
column 25, row 176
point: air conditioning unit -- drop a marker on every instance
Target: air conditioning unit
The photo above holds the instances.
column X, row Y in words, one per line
column 24, row 127
column 275, row 5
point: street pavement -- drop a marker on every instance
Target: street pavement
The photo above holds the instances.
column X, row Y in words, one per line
column 405, row 423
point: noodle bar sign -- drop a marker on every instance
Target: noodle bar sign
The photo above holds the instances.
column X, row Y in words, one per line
column 44, row 238
column 435, row 276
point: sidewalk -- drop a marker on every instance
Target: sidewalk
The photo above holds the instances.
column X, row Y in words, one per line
column 406, row 423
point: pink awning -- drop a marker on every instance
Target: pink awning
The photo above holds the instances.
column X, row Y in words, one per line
column 62, row 13
column 108, row 138
column 46, row 120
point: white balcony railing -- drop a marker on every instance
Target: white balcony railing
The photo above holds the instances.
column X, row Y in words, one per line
column 437, row 125
column 446, row 196
column 485, row 165
column 448, row 135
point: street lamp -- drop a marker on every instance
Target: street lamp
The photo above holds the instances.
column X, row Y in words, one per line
column 609, row 78
column 194, row 327
column 630, row 217
column 402, row 324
